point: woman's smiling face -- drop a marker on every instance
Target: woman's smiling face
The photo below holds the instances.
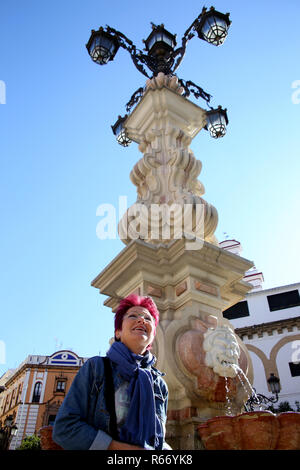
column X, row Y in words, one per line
column 138, row 329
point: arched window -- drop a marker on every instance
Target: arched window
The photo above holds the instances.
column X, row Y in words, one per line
column 37, row 392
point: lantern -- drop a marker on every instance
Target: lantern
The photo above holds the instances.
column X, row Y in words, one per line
column 102, row 46
column 274, row 383
column 160, row 42
column 213, row 26
column 217, row 121
column 120, row 132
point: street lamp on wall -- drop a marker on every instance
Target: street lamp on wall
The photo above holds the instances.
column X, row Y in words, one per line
column 7, row 432
column 161, row 55
column 274, row 383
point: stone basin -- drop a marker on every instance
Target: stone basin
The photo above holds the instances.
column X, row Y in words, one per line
column 254, row 430
column 47, row 442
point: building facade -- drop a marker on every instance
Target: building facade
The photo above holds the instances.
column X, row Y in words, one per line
column 268, row 322
column 33, row 393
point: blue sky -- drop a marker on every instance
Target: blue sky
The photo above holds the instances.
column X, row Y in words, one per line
column 59, row 160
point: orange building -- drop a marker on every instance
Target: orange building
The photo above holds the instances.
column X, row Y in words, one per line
column 34, row 391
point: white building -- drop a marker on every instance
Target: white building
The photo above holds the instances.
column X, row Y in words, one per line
column 268, row 322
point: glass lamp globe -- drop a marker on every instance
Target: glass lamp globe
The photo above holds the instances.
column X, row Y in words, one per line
column 102, row 46
column 120, row 132
column 160, row 42
column 217, row 121
column 213, row 26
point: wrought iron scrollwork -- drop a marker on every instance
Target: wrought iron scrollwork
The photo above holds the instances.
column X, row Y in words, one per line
column 168, row 65
column 191, row 87
column 137, row 95
column 188, row 35
column 257, row 399
column 136, row 55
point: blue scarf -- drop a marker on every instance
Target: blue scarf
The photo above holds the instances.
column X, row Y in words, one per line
column 142, row 427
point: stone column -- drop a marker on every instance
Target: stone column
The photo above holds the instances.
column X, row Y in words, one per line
column 164, row 124
column 190, row 278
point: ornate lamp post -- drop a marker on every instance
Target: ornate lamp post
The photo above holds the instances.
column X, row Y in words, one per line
column 163, row 56
column 169, row 219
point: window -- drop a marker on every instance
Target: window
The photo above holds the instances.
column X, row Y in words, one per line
column 295, row 369
column 51, row 420
column 283, row 300
column 12, row 400
column 6, row 404
column 37, row 392
column 60, row 386
column 237, row 311
column 19, row 393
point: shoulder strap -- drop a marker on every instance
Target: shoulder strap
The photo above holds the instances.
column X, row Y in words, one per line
column 110, row 397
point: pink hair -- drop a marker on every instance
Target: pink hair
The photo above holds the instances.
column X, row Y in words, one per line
column 134, row 300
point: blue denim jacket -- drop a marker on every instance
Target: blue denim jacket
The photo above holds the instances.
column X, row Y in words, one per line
column 82, row 421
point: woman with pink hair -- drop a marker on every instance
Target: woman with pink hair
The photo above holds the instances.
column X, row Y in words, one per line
column 118, row 402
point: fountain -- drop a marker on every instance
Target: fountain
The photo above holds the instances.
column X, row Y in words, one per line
column 180, row 265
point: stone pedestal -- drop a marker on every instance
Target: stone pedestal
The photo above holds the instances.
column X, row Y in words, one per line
column 190, row 278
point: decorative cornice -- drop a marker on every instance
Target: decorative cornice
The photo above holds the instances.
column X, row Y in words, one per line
column 12, row 378
column 278, row 289
column 270, row 328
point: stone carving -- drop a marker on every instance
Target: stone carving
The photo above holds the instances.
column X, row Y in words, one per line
column 202, row 350
column 222, row 350
column 162, row 80
column 169, row 194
